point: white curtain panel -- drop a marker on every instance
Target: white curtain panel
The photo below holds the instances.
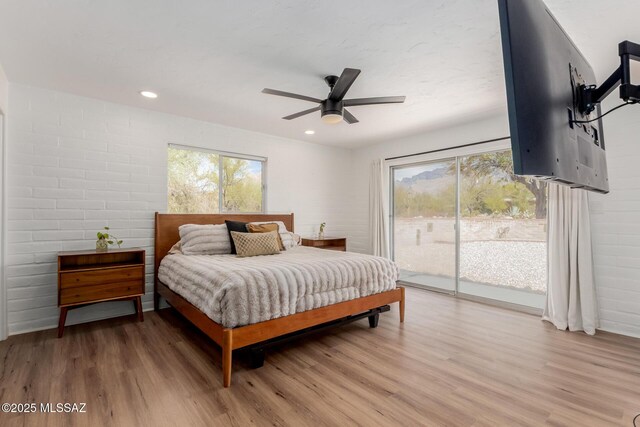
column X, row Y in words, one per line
column 377, row 215
column 571, row 294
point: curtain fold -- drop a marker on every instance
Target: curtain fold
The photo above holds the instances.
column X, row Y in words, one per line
column 377, row 211
column 571, row 294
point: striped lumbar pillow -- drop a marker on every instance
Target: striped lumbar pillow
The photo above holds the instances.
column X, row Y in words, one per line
column 196, row 239
column 253, row 244
column 285, row 235
column 266, row 228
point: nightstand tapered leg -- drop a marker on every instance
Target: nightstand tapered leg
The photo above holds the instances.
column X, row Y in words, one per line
column 138, row 304
column 61, row 321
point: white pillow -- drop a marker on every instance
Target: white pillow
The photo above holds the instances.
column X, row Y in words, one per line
column 206, row 239
column 286, row 236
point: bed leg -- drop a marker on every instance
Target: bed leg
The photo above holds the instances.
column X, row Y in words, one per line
column 401, row 305
column 227, row 350
column 373, row 320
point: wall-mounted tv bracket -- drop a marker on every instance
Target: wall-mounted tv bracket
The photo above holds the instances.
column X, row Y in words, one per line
column 590, row 95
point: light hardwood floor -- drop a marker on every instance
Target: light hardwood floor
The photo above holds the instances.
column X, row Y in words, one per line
column 453, row 362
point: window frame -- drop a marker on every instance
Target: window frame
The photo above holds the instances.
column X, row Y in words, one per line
column 228, row 154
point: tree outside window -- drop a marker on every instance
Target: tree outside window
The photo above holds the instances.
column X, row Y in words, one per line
column 196, row 185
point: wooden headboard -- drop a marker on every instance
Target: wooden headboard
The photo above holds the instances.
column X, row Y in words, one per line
column 166, row 234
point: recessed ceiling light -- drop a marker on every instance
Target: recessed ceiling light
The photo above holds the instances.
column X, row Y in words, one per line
column 309, row 132
column 149, row 94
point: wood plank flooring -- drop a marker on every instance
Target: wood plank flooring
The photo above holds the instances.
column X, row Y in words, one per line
column 452, row 362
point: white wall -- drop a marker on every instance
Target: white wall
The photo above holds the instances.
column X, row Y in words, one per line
column 4, row 91
column 615, row 217
column 78, row 164
column 4, row 102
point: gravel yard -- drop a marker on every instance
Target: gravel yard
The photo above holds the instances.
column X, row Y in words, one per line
column 519, row 265
column 513, row 258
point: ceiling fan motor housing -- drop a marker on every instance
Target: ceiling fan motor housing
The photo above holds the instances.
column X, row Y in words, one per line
column 331, row 107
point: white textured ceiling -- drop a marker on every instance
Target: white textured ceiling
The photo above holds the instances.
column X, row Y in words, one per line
column 210, row 59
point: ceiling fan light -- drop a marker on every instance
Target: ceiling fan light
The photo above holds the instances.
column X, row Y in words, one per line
column 332, row 118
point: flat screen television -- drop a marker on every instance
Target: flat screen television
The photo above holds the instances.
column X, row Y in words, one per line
column 544, row 73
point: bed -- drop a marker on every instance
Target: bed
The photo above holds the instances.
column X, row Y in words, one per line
column 241, row 302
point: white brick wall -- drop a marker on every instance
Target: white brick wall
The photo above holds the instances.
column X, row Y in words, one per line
column 615, row 221
column 78, row 164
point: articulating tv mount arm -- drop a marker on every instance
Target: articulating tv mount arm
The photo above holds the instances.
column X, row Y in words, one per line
column 589, row 96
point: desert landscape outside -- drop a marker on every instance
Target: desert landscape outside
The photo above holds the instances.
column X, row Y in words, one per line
column 503, row 224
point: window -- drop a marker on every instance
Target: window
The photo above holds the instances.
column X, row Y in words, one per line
column 205, row 181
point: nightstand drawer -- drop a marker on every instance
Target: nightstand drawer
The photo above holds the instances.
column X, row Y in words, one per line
column 334, row 248
column 331, row 243
column 99, row 277
column 100, row 292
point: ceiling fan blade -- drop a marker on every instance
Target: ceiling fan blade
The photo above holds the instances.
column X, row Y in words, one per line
column 302, row 113
column 343, row 84
column 373, row 101
column 290, row 95
column 348, row 117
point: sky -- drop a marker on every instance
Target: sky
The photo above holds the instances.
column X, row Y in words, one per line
column 255, row 167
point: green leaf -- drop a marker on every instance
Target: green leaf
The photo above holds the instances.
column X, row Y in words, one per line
column 119, row 242
column 110, row 242
column 106, row 228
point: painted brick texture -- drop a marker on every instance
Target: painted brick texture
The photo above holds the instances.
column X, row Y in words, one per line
column 77, row 164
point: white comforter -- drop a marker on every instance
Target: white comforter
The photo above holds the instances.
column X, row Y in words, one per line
column 236, row 291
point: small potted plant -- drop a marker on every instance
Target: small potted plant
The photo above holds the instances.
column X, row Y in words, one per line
column 321, row 233
column 105, row 239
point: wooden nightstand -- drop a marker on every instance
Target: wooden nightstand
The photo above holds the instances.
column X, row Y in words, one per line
column 332, row 243
column 87, row 277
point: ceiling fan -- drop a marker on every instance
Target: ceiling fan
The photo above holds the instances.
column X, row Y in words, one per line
column 333, row 109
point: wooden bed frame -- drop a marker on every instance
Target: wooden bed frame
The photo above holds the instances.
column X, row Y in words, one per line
column 229, row 339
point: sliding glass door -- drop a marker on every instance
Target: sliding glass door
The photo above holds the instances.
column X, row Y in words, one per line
column 424, row 219
column 503, row 235
column 499, row 249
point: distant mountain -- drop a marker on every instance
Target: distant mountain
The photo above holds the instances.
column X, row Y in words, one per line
column 426, row 175
column 432, row 181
